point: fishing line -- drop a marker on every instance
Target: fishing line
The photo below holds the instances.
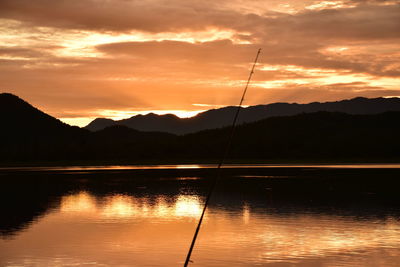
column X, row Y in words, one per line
column 221, row 161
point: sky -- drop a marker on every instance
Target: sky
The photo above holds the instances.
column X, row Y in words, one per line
column 81, row 59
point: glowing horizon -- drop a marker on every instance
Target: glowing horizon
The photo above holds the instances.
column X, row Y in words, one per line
column 120, row 115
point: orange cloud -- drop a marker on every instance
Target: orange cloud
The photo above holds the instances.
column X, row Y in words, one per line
column 81, row 59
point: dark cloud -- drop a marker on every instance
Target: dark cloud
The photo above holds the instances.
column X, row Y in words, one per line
column 303, row 32
column 360, row 23
column 365, row 21
column 118, row 15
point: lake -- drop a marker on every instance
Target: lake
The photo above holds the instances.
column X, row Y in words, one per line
column 259, row 215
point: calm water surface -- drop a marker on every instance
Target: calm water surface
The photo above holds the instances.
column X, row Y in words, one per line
column 201, row 166
column 280, row 217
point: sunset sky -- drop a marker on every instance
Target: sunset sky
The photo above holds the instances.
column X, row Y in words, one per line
column 82, row 59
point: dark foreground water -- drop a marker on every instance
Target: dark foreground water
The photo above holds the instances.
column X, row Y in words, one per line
column 260, row 216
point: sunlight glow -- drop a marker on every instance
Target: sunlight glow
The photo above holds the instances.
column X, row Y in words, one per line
column 118, row 206
column 329, row 4
column 188, row 206
column 82, row 202
column 123, row 114
column 189, row 166
column 246, row 232
column 318, row 77
column 85, row 45
column 80, row 122
column 124, row 206
column 208, row 105
column 278, row 238
column 325, row 238
column 120, row 114
column 336, row 49
column 80, row 43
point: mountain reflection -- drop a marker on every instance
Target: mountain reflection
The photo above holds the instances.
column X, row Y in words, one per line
column 113, row 226
column 136, row 219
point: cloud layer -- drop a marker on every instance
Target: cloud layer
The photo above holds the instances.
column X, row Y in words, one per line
column 84, row 58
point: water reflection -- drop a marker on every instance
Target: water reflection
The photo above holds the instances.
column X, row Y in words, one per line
column 82, row 202
column 251, row 222
column 200, row 166
column 271, row 239
column 112, row 230
column 117, row 206
column 120, row 206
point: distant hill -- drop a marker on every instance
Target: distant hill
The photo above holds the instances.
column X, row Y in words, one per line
column 217, row 118
column 27, row 132
column 17, row 114
column 318, row 136
column 121, row 142
column 30, row 135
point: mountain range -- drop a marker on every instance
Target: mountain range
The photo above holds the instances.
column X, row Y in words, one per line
column 217, row 118
column 29, row 135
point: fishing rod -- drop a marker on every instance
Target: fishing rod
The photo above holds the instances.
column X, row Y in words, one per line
column 221, row 161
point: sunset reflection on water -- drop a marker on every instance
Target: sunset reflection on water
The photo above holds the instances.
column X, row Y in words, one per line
column 311, row 217
column 118, row 205
column 126, row 230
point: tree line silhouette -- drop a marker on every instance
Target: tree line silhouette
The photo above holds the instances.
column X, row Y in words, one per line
column 30, row 135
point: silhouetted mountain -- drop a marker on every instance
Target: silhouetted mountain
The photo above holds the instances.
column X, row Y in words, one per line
column 28, row 133
column 317, row 136
column 119, row 142
column 218, row 118
column 320, row 135
column 19, row 115
column 101, row 123
column 31, row 135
